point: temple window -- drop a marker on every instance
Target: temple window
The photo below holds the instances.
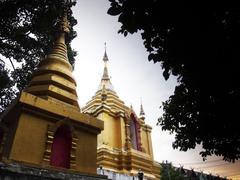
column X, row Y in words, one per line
column 61, row 147
column 134, row 133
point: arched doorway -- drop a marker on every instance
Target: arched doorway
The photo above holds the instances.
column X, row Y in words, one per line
column 61, row 147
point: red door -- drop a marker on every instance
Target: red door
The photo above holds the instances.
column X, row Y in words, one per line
column 61, row 147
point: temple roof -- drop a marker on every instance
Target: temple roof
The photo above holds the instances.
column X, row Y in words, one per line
column 105, row 96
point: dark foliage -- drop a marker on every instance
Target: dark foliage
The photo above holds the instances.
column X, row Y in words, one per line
column 6, row 87
column 28, row 29
column 199, row 43
column 169, row 172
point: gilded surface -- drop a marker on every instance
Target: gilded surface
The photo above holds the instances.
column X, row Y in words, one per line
column 49, row 101
column 115, row 151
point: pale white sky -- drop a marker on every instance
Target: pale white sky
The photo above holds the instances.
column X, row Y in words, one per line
column 133, row 78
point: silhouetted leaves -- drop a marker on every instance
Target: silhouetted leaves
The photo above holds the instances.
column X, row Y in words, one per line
column 114, row 11
column 6, row 87
column 199, row 43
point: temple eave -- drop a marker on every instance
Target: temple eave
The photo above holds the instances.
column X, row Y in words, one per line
column 60, row 110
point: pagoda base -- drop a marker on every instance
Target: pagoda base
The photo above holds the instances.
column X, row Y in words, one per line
column 12, row 171
column 128, row 162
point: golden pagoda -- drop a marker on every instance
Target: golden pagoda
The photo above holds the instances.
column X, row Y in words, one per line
column 44, row 127
column 125, row 145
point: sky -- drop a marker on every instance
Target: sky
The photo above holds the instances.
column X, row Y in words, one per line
column 134, row 78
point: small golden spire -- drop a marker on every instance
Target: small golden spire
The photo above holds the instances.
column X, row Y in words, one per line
column 105, row 57
column 142, row 113
column 105, row 81
column 63, row 28
column 105, row 60
column 64, row 24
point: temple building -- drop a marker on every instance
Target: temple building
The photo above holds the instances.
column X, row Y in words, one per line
column 43, row 134
column 125, row 145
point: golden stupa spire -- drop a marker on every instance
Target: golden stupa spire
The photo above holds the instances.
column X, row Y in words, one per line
column 54, row 79
column 105, row 81
column 105, row 60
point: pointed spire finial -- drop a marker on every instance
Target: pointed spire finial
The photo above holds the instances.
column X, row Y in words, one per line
column 105, row 77
column 142, row 113
column 105, row 57
column 64, row 24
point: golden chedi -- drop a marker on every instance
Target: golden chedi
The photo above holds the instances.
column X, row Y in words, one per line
column 125, row 145
column 44, row 127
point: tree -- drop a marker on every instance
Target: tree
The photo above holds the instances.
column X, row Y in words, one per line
column 168, row 172
column 6, row 87
column 27, row 32
column 199, row 43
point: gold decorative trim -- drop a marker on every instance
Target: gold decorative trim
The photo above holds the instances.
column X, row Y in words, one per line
column 127, row 131
column 48, row 145
column 127, row 120
column 49, row 141
column 73, row 162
